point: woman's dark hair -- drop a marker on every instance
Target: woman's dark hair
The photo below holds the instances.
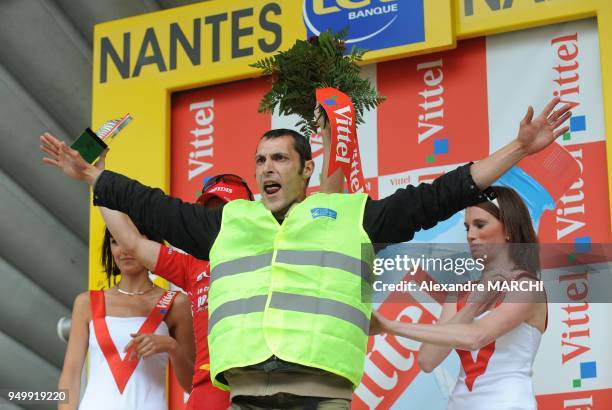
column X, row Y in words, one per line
column 513, row 214
column 108, row 262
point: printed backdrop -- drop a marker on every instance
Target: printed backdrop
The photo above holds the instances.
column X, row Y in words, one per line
column 444, row 110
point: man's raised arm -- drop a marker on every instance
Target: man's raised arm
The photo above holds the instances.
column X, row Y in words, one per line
column 189, row 227
column 397, row 217
column 534, row 135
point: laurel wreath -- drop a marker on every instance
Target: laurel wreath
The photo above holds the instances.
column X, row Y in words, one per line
column 319, row 62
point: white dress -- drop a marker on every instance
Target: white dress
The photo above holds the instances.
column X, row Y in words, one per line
column 506, row 382
column 146, row 388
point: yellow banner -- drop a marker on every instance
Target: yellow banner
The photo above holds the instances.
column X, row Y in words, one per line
column 205, row 41
column 140, row 61
column 217, row 40
column 483, row 17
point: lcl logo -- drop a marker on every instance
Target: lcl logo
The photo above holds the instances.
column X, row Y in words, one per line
column 372, row 24
column 321, row 7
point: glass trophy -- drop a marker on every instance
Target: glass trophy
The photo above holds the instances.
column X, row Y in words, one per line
column 91, row 144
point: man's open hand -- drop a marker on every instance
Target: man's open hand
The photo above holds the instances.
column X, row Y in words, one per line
column 67, row 160
column 537, row 133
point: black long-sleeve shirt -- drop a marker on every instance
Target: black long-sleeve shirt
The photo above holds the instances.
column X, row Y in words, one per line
column 194, row 228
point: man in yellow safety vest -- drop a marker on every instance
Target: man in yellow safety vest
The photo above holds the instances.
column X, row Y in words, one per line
column 288, row 324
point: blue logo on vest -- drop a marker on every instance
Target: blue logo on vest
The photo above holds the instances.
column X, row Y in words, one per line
column 372, row 24
column 321, row 212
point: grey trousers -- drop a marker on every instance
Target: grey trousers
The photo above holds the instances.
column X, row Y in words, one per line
column 289, row 402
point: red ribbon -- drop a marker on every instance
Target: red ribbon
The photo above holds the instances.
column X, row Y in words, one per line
column 474, row 368
column 344, row 153
column 122, row 370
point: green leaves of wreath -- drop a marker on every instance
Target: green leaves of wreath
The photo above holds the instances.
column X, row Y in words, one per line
column 319, row 62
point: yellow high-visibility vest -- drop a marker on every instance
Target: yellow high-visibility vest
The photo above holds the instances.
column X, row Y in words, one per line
column 297, row 290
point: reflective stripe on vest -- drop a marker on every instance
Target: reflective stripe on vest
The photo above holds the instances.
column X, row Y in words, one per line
column 237, row 307
column 313, row 258
column 325, row 260
column 320, row 306
column 293, row 302
column 246, row 264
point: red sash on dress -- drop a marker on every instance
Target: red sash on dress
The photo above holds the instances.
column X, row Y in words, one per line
column 472, row 368
column 122, row 370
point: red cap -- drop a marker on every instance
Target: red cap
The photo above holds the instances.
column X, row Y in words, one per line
column 227, row 187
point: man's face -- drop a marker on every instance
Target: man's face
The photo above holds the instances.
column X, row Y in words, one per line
column 277, row 170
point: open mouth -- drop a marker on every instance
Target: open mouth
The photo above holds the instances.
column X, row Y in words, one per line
column 271, row 188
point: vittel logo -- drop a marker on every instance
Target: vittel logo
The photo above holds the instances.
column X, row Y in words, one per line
column 201, row 155
column 164, row 303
